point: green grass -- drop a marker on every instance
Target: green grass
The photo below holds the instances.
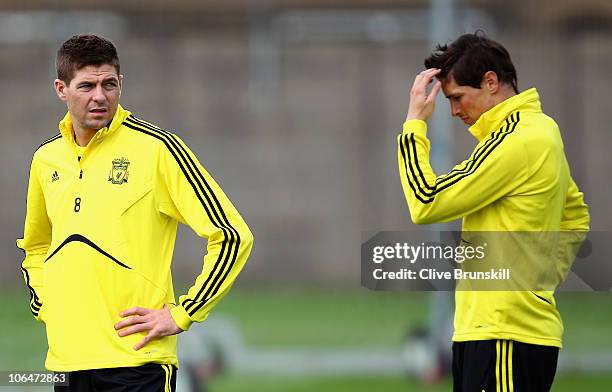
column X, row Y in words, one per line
column 587, row 320
column 341, row 318
column 335, row 384
column 386, row 384
column 324, row 319
column 23, row 343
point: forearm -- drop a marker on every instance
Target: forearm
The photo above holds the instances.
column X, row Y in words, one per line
column 227, row 254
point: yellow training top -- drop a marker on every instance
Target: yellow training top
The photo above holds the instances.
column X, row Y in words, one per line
column 99, row 236
column 517, row 179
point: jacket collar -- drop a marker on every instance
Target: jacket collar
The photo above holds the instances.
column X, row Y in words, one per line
column 491, row 120
column 65, row 126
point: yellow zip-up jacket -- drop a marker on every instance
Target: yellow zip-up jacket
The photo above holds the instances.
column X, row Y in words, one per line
column 99, row 236
column 517, row 179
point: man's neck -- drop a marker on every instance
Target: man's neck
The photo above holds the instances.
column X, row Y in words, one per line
column 82, row 137
column 503, row 95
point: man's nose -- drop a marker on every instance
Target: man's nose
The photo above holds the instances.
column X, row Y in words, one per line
column 98, row 94
column 455, row 110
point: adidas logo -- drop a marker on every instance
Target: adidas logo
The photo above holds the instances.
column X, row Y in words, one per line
column 55, row 176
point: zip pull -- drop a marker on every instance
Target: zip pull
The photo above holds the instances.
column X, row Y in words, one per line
column 81, row 174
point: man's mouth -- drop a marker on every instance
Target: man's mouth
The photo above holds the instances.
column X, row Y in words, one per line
column 99, row 110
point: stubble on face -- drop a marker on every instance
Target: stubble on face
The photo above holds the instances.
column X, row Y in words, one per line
column 466, row 102
column 92, row 97
column 469, row 103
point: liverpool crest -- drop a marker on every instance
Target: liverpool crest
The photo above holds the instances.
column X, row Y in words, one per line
column 119, row 172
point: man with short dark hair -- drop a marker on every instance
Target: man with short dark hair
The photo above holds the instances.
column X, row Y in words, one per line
column 516, row 180
column 105, row 198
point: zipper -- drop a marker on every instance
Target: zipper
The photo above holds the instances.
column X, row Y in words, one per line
column 80, row 170
column 86, row 151
column 80, row 167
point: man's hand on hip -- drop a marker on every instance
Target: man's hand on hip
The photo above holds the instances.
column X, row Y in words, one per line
column 422, row 104
column 158, row 322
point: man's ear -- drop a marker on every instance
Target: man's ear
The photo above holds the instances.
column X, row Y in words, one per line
column 490, row 82
column 120, row 84
column 60, row 89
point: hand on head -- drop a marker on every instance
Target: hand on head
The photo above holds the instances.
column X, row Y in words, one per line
column 422, row 103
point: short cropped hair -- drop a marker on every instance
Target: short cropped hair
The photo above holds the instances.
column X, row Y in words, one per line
column 81, row 51
column 469, row 57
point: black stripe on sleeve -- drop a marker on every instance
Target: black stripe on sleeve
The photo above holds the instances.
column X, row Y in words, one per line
column 416, row 159
column 495, row 140
column 218, row 219
column 477, row 153
column 34, row 298
column 489, row 151
column 470, row 166
column 198, row 190
column 216, row 283
column 404, row 152
column 412, row 157
column 35, row 303
column 491, row 143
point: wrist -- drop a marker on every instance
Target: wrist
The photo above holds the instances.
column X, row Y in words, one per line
column 180, row 317
column 411, row 116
